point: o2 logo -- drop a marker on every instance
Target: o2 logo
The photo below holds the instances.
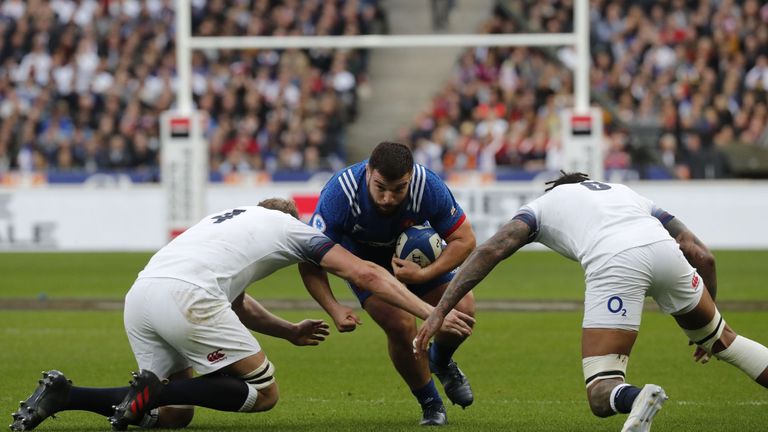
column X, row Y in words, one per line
column 616, row 305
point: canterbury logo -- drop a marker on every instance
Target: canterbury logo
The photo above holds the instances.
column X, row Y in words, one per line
column 695, row 281
column 216, row 356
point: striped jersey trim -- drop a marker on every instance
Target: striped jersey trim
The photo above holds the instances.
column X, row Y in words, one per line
column 416, row 188
column 349, row 186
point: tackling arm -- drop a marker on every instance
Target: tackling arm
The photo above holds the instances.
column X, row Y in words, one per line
column 255, row 317
column 511, row 237
column 370, row 276
column 374, row 278
column 697, row 254
column 316, row 281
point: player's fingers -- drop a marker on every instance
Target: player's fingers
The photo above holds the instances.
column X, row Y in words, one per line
column 398, row 262
column 461, row 328
column 356, row 319
column 457, row 329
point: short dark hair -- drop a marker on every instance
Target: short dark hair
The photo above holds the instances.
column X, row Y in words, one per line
column 565, row 178
column 281, row 204
column 391, row 159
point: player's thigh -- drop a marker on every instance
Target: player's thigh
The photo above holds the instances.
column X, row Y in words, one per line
column 202, row 327
column 151, row 350
column 676, row 287
column 606, row 341
column 466, row 304
column 614, row 298
column 396, row 323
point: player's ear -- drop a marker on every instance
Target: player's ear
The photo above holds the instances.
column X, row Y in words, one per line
column 367, row 173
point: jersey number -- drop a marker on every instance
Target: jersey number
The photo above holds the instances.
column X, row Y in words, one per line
column 227, row 216
column 595, row 185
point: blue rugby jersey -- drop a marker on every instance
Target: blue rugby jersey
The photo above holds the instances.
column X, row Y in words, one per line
column 347, row 216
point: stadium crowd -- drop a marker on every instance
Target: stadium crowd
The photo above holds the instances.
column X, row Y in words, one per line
column 82, row 83
column 681, row 83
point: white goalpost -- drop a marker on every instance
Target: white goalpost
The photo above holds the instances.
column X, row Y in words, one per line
column 582, row 131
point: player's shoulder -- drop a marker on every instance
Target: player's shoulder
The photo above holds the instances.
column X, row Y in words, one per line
column 424, row 181
column 342, row 190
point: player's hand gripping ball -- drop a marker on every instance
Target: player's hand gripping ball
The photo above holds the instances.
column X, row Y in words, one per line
column 420, row 244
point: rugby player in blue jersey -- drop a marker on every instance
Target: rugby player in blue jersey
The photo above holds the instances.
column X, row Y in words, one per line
column 364, row 207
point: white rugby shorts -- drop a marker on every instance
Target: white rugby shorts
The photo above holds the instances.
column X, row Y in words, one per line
column 615, row 292
column 173, row 325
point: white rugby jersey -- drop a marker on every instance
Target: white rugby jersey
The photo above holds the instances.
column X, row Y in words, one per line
column 227, row 251
column 590, row 222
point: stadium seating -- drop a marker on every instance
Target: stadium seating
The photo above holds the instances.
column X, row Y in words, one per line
column 682, row 88
column 84, row 82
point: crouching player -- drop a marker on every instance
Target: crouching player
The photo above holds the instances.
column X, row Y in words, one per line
column 188, row 311
column 627, row 248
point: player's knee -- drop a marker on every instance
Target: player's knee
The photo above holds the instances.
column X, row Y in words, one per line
column 599, row 408
column 399, row 329
column 268, row 398
column 175, row 417
column 601, row 375
column 467, row 306
column 709, row 336
column 262, row 388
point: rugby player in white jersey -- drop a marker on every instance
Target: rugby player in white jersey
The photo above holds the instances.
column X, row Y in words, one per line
column 188, row 311
column 627, row 247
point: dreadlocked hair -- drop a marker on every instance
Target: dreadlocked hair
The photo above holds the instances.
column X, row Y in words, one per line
column 566, row 178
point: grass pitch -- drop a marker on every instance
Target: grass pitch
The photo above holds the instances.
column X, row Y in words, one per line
column 525, row 368
column 525, row 276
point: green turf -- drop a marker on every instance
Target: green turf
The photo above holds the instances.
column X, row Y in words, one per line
column 527, row 275
column 525, row 369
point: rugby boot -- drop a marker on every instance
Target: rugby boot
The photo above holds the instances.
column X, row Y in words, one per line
column 144, row 389
column 644, row 409
column 434, row 415
column 454, row 382
column 49, row 397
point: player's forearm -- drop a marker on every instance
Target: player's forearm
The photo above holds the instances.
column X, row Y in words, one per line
column 316, row 282
column 475, row 269
column 452, row 256
column 511, row 237
column 696, row 253
column 255, row 317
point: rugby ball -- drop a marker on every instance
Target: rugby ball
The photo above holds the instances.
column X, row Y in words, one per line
column 420, row 244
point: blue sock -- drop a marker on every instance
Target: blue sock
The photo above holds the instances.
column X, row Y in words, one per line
column 428, row 394
column 440, row 354
column 624, row 398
